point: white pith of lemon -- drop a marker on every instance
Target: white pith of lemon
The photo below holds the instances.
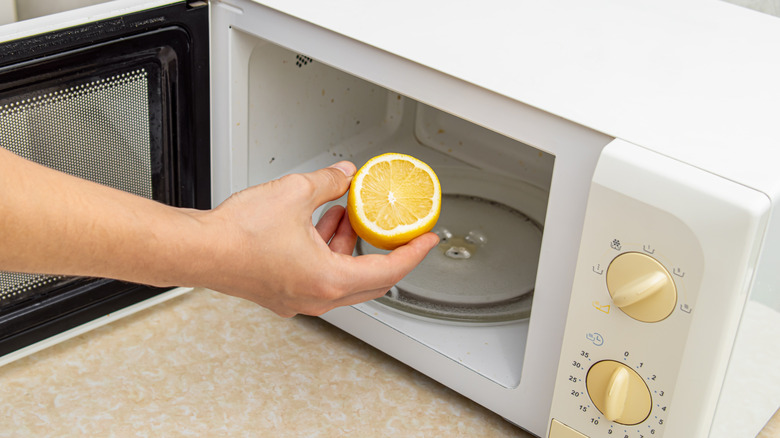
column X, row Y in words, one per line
column 392, row 199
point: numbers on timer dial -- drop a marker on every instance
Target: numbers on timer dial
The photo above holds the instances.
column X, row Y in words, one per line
column 592, row 382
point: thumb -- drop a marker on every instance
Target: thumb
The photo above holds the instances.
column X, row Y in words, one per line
column 331, row 182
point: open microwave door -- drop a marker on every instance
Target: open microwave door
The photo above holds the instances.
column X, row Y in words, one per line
column 118, row 94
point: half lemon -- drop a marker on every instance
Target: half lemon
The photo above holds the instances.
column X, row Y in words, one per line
column 392, row 199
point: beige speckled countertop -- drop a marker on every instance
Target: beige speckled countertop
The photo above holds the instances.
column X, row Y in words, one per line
column 205, row 364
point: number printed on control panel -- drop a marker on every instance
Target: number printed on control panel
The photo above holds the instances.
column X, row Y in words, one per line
column 592, row 421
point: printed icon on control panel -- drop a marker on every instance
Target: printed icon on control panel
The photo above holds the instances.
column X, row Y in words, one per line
column 678, row 272
column 686, row 308
column 596, row 338
column 616, row 245
column 598, row 269
column 648, row 249
column 604, row 308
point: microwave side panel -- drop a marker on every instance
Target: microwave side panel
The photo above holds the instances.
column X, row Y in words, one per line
column 749, row 398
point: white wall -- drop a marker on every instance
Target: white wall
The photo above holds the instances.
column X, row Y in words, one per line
column 771, row 7
column 7, row 11
column 35, row 8
column 11, row 10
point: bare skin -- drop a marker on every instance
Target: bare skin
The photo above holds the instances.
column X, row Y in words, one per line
column 260, row 244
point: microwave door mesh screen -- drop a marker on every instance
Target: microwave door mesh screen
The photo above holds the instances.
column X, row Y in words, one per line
column 97, row 130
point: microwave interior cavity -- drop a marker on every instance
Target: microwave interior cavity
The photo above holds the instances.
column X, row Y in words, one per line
column 476, row 289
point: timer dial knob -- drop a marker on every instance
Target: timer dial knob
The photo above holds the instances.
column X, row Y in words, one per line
column 641, row 287
column 618, row 392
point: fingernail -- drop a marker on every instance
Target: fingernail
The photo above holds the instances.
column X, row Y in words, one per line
column 346, row 167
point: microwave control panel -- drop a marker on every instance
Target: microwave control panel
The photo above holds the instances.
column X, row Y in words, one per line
column 636, row 361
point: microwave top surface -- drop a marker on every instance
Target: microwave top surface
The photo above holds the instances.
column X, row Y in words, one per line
column 696, row 81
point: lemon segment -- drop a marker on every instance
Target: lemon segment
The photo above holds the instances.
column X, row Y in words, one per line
column 392, row 199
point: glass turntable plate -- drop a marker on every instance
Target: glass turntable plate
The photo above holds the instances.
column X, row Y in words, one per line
column 484, row 268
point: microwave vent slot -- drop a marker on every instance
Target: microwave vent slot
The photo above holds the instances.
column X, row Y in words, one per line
column 301, row 60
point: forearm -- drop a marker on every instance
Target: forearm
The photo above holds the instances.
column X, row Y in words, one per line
column 57, row 224
column 260, row 244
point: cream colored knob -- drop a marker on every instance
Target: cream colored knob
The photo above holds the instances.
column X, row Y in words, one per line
column 618, row 392
column 641, row 287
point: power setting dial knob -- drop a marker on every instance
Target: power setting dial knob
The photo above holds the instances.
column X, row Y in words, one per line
column 618, row 392
column 641, row 287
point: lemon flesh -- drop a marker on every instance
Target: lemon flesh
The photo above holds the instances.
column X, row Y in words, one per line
column 393, row 199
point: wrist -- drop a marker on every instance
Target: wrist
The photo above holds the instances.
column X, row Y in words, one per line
column 197, row 244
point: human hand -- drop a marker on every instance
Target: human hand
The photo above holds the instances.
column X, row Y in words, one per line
column 267, row 250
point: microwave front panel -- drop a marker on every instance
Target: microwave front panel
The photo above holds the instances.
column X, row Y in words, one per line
column 113, row 101
column 344, row 99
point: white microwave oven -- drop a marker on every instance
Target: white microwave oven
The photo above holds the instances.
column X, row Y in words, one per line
column 610, row 172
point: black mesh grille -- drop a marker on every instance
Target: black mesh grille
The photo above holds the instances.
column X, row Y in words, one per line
column 97, row 130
